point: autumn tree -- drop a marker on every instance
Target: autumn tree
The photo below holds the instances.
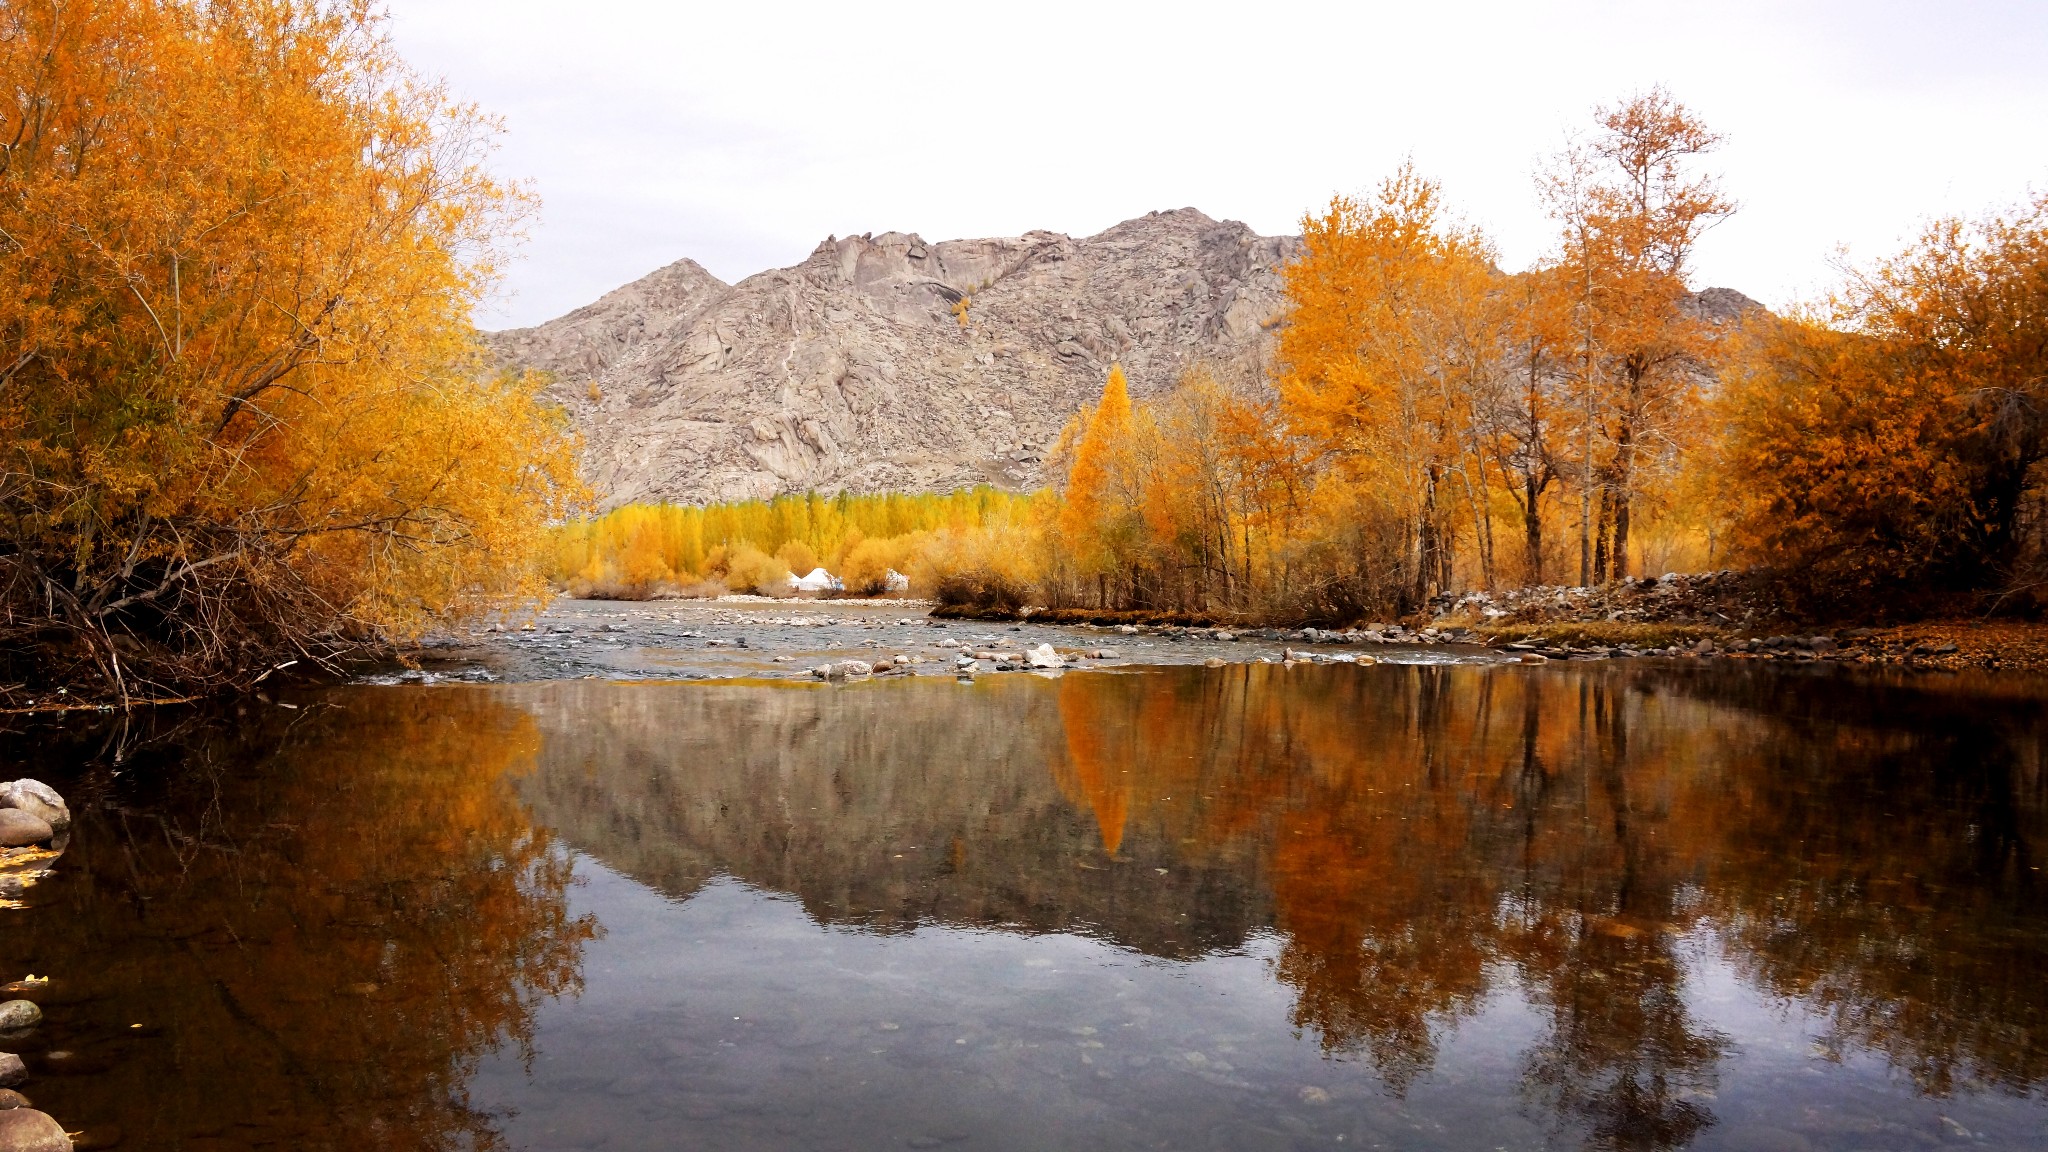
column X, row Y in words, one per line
column 1520, row 417
column 1098, row 516
column 1894, row 440
column 1631, row 209
column 243, row 415
column 1386, row 334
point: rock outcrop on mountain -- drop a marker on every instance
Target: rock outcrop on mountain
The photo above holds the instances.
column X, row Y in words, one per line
column 887, row 362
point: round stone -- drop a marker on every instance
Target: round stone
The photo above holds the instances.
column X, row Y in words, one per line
column 12, row 1070
column 19, row 829
column 27, row 1130
column 18, row 1014
column 9, row 1098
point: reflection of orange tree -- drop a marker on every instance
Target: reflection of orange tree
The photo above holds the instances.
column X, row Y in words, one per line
column 1419, row 824
column 1420, row 828
column 1910, row 914
column 333, row 943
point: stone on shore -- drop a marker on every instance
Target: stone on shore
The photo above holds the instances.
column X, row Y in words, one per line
column 19, row 829
column 1044, row 657
column 37, row 799
column 27, row 1130
column 12, row 1070
column 16, row 1015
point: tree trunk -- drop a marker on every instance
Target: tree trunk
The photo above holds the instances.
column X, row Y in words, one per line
column 1621, row 506
column 1600, row 539
column 1532, row 526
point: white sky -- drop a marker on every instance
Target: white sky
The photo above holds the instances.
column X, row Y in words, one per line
column 741, row 133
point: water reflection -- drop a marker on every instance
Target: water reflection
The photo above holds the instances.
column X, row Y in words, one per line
column 299, row 929
column 1619, row 907
column 1416, row 840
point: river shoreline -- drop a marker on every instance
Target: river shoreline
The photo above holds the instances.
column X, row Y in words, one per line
column 758, row 638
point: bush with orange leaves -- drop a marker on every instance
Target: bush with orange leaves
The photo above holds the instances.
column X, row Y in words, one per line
column 244, row 417
column 1892, row 449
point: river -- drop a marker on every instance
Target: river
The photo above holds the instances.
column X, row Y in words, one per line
column 1615, row 905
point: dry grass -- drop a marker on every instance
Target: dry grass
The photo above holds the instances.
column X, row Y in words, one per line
column 1606, row 633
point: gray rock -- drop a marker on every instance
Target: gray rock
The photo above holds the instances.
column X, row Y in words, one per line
column 12, row 1070
column 27, row 1130
column 37, row 799
column 18, row 829
column 872, row 364
column 16, row 1015
column 1044, row 657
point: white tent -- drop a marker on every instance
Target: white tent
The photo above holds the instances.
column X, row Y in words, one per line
column 819, row 581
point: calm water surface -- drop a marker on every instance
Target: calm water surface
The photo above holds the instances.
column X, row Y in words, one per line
column 1593, row 906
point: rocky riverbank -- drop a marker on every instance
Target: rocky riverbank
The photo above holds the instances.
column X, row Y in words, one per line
column 35, row 826
column 810, row 640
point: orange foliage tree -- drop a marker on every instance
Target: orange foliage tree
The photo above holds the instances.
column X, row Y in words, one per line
column 1897, row 443
column 1631, row 211
column 243, row 415
column 1095, row 518
column 1390, row 336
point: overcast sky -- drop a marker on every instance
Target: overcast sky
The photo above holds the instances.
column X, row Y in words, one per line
column 742, row 133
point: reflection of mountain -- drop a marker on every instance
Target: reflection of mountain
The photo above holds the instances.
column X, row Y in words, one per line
column 883, row 805
column 1410, row 834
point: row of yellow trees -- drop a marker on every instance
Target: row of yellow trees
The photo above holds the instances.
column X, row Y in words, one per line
column 1430, row 421
column 755, row 546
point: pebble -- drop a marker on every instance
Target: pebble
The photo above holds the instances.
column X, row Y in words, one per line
column 16, row 1015
column 27, row 1130
column 9, row 1098
column 12, row 1070
column 19, row 829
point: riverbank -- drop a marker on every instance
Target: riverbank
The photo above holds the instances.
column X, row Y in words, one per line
column 757, row 638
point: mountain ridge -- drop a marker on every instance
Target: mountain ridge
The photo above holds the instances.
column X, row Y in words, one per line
column 885, row 361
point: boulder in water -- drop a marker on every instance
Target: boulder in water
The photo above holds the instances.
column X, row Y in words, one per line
column 37, row 799
column 16, row 1015
column 19, row 829
column 27, row 1130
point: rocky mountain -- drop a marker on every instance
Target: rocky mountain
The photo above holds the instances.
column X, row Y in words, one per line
column 888, row 362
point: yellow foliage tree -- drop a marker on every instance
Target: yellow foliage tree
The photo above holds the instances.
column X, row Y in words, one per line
column 1390, row 328
column 1097, row 517
column 242, row 411
column 1631, row 211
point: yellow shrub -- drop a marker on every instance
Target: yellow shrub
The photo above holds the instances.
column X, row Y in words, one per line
column 752, row 570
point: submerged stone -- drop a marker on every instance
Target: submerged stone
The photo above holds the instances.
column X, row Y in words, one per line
column 27, row 1130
